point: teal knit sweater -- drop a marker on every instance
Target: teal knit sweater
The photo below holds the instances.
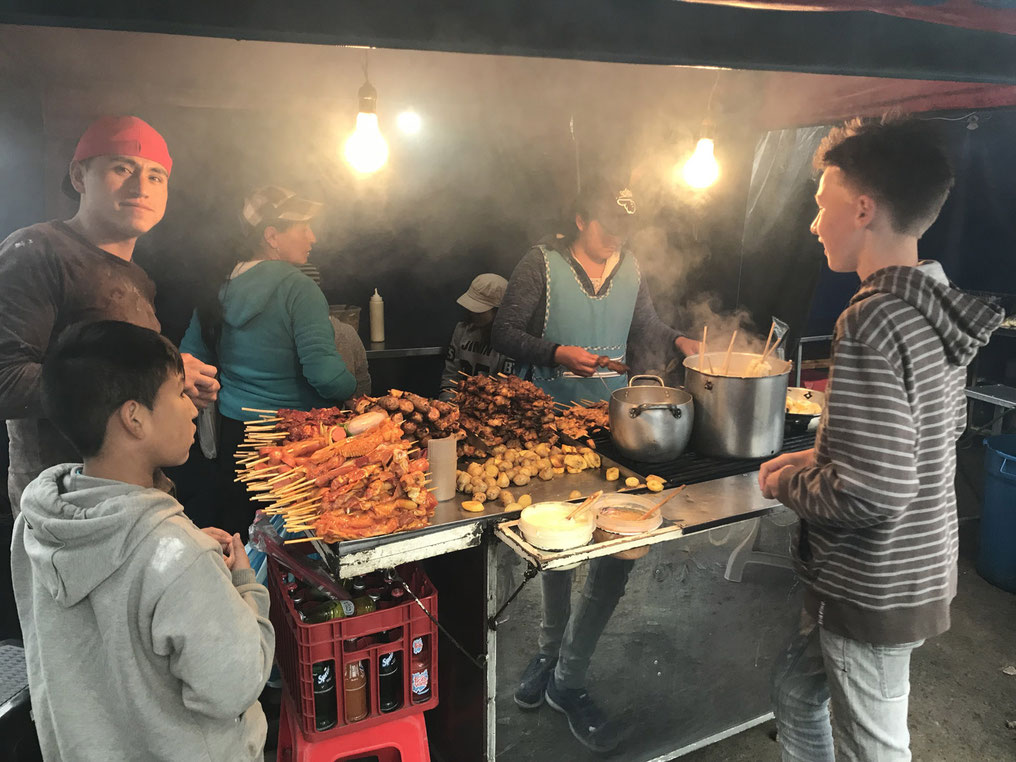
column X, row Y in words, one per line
column 277, row 347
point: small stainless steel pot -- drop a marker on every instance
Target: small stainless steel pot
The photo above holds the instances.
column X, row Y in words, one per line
column 651, row 424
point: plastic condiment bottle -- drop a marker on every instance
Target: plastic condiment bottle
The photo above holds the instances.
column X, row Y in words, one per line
column 377, row 318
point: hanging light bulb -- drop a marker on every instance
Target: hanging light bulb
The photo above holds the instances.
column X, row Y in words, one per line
column 701, row 170
column 366, row 150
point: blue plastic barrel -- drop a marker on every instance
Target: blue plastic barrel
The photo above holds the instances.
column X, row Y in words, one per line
column 996, row 559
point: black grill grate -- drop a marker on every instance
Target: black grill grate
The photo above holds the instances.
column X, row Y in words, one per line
column 692, row 468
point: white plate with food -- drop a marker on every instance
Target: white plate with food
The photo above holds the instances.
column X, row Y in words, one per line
column 804, row 408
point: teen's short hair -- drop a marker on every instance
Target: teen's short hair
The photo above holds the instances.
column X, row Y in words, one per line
column 902, row 163
column 94, row 368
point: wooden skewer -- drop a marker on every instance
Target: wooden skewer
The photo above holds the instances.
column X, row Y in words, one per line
column 772, row 327
column 660, row 504
column 301, row 539
column 702, row 349
column 269, row 419
column 285, row 506
column 280, row 477
column 255, row 462
column 250, row 476
column 300, row 483
column 585, row 504
column 301, row 519
column 293, row 509
column 279, row 495
column 730, row 347
column 258, row 410
column 299, row 511
column 297, row 503
column 772, row 349
column 303, row 498
column 281, row 500
column 463, row 373
column 299, row 524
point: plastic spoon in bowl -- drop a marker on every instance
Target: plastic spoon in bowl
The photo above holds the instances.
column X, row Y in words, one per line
column 585, row 504
column 652, row 511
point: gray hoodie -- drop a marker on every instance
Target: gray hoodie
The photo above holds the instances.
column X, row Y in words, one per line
column 878, row 540
column 140, row 643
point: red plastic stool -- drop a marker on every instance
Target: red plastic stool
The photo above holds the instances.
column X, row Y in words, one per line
column 402, row 739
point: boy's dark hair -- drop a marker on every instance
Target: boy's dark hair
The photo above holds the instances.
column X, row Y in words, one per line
column 902, row 163
column 94, row 368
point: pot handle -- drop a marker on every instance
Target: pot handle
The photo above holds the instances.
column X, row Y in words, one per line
column 637, row 410
column 657, row 379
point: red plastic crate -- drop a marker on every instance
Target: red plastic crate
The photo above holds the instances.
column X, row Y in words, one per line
column 298, row 646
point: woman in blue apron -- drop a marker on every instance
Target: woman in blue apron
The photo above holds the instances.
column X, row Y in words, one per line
column 573, row 304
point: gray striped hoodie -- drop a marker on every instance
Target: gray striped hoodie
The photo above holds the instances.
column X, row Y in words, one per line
column 878, row 542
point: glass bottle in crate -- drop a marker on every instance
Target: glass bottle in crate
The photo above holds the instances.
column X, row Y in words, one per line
column 325, row 710
column 354, row 682
column 419, row 670
column 389, row 678
column 396, row 597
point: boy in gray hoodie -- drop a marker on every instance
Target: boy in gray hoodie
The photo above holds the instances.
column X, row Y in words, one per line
column 878, row 540
column 146, row 638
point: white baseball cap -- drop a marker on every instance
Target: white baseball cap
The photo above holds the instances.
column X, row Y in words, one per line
column 485, row 293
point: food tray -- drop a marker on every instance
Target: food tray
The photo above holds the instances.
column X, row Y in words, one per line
column 550, row 560
column 300, row 645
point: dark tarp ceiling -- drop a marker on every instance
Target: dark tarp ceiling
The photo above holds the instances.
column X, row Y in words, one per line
column 990, row 15
column 651, row 31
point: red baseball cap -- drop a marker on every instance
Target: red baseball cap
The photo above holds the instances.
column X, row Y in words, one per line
column 123, row 136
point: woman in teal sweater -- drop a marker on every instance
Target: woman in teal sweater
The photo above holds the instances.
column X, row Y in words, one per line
column 269, row 334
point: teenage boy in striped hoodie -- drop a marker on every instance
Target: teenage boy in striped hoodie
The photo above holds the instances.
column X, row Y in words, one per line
column 877, row 544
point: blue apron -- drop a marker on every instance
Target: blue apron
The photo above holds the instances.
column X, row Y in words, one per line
column 599, row 324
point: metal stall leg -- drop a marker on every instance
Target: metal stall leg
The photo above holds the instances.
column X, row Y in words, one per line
column 490, row 547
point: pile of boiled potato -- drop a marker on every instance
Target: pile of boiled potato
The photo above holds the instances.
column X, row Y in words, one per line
column 513, row 467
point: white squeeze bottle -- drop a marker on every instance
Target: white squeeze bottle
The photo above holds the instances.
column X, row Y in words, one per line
column 377, row 318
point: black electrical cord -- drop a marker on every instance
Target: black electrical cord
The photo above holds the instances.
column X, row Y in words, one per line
column 480, row 662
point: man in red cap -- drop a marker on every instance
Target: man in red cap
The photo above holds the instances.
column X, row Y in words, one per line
column 55, row 274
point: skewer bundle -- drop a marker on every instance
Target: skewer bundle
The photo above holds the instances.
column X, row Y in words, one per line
column 424, row 419
column 339, row 475
column 506, row 410
column 576, row 421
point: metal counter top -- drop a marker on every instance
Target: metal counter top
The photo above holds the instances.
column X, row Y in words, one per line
column 701, row 506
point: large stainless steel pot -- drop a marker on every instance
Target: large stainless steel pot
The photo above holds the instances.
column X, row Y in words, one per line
column 651, row 423
column 737, row 415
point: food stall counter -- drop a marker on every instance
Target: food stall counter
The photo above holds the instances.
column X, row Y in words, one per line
column 451, row 528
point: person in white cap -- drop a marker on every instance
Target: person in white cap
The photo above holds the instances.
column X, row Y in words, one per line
column 470, row 350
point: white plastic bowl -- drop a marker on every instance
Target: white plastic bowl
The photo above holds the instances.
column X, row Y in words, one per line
column 545, row 526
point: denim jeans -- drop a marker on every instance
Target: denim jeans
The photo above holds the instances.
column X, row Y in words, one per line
column 572, row 636
column 864, row 687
